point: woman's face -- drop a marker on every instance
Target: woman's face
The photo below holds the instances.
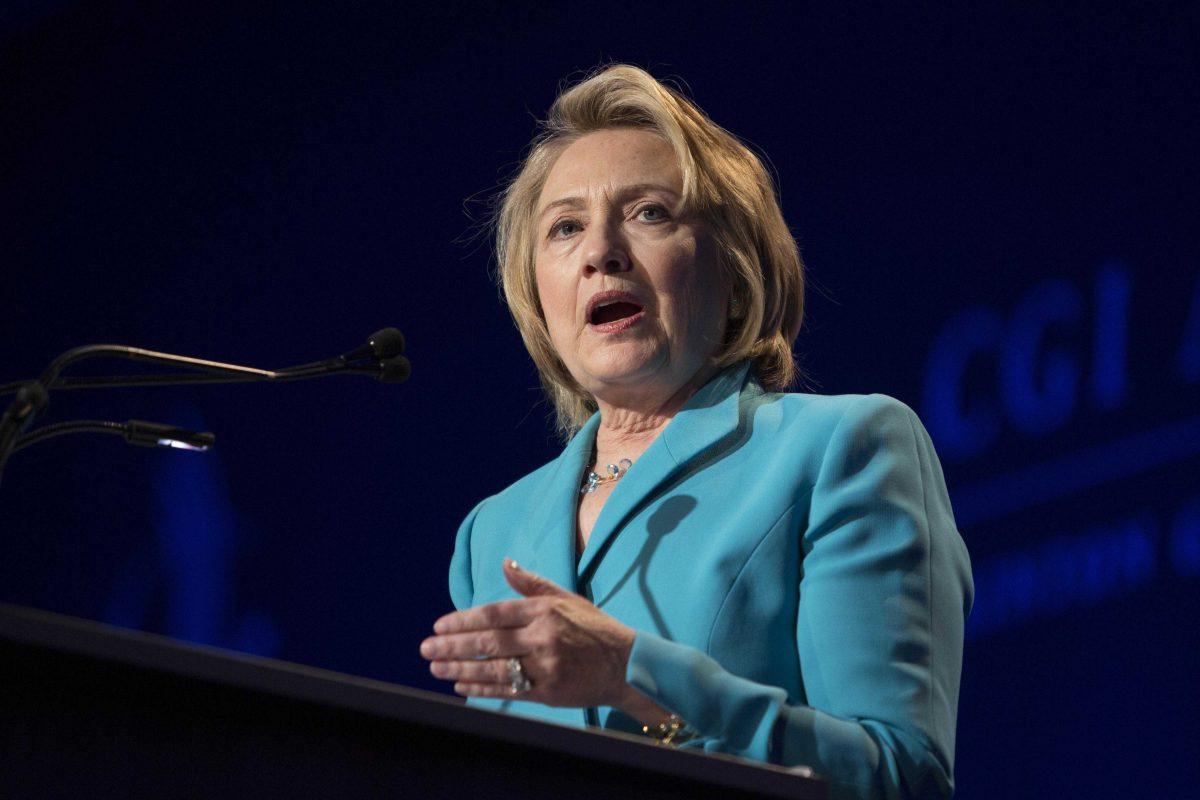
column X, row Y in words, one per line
column 630, row 286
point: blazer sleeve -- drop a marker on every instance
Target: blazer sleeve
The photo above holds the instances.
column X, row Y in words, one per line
column 884, row 591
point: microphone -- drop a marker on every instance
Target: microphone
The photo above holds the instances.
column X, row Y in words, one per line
column 395, row 370
column 381, row 357
column 382, row 345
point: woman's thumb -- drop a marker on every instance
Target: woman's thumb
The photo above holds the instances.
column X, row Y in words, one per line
column 527, row 583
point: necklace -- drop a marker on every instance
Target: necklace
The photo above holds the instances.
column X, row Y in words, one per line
column 615, row 473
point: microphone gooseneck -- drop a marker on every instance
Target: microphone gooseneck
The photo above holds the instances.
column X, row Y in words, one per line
column 135, row 431
column 381, row 358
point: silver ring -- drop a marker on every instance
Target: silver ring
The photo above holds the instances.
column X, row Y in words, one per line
column 518, row 682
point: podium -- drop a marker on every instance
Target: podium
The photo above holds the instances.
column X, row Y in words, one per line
column 90, row 710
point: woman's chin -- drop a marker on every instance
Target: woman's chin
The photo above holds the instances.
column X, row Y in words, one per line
column 617, row 376
column 624, row 371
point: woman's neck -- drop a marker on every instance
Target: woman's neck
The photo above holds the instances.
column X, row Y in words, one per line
column 627, row 431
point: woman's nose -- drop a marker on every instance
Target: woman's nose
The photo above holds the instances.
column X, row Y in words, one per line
column 606, row 252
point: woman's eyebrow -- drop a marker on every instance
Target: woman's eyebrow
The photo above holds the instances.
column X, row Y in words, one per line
column 576, row 201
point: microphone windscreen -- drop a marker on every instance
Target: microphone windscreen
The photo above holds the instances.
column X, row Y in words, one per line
column 395, row 369
column 386, row 343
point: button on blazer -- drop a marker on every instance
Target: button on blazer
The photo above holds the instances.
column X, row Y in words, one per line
column 791, row 566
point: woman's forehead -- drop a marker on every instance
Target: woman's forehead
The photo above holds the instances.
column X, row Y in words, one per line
column 608, row 162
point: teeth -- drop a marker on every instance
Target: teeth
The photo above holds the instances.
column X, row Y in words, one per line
column 614, row 301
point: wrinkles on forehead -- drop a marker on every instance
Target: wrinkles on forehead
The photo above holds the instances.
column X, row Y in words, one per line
column 647, row 162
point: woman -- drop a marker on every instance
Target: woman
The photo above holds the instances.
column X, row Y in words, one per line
column 775, row 576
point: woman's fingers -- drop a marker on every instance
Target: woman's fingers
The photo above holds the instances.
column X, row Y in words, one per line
column 504, row 614
column 491, row 670
column 468, row 689
column 495, row 643
column 554, row 632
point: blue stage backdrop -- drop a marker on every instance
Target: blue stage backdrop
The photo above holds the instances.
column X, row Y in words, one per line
column 997, row 206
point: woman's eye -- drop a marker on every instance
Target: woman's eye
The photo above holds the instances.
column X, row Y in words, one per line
column 564, row 227
column 656, row 213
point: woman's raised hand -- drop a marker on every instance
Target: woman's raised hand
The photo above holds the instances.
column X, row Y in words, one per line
column 572, row 653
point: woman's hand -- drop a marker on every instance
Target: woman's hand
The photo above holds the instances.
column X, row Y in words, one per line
column 572, row 652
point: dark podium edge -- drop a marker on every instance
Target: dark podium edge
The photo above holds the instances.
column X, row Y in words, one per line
column 380, row 699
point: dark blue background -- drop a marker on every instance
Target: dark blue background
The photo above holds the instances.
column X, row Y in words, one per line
column 998, row 210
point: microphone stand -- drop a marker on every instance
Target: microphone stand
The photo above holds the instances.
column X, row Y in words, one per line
column 382, row 353
column 183, row 379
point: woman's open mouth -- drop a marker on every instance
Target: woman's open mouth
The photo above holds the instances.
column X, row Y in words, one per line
column 609, row 312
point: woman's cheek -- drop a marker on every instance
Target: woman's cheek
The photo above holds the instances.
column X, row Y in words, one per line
column 556, row 297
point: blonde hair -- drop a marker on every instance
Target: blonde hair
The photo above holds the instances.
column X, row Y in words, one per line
column 723, row 181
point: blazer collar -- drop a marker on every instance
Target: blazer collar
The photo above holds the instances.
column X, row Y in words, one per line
column 552, row 524
column 711, row 415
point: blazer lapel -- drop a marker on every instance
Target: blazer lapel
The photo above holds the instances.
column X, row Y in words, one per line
column 552, row 523
column 711, row 415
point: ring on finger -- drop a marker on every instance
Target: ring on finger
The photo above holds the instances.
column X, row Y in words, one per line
column 517, row 679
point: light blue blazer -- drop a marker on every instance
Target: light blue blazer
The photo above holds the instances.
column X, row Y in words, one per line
column 791, row 565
